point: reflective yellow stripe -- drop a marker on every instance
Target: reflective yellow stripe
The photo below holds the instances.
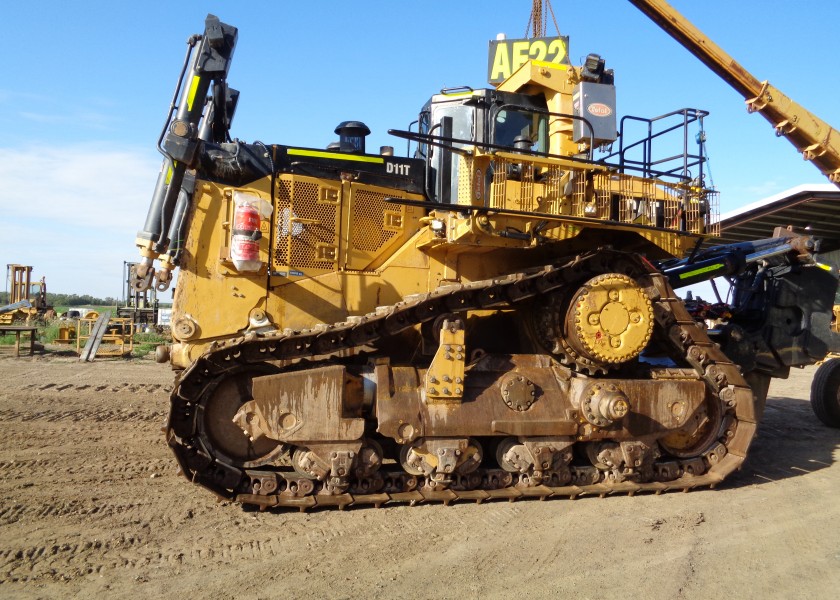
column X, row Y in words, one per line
column 193, row 90
column 700, row 271
column 168, row 175
column 335, row 155
column 825, row 267
column 466, row 93
column 550, row 65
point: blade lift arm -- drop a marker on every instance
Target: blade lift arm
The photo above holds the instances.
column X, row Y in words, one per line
column 197, row 118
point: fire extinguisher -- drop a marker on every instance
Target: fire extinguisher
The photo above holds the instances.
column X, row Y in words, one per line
column 244, row 244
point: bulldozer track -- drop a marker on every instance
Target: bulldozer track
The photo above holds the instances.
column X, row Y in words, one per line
column 715, row 461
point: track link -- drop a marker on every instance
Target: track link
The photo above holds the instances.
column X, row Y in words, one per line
column 204, row 466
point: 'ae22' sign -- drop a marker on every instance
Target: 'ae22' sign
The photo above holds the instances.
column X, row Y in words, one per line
column 508, row 55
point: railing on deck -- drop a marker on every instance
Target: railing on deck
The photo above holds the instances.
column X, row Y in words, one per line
column 659, row 153
column 667, row 192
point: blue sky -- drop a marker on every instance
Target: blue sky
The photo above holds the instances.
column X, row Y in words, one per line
column 85, row 87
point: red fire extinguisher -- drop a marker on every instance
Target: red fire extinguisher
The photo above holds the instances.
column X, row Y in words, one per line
column 244, row 244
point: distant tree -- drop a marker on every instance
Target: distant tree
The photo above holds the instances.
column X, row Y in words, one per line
column 79, row 300
column 69, row 300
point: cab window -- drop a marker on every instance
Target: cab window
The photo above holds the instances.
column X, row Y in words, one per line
column 511, row 123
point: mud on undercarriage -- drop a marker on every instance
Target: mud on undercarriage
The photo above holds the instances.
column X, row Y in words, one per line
column 325, row 430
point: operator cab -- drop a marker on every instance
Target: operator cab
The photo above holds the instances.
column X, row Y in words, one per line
column 462, row 118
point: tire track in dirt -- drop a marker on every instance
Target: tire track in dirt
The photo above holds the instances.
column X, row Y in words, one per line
column 48, row 471
column 83, row 510
column 11, row 467
column 125, row 550
column 81, row 387
column 67, row 560
column 76, row 415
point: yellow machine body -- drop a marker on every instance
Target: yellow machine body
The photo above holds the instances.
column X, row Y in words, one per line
column 351, row 249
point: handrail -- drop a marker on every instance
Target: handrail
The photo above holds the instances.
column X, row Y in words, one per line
column 647, row 162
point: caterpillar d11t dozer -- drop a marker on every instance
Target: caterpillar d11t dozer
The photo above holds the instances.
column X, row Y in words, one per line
column 491, row 317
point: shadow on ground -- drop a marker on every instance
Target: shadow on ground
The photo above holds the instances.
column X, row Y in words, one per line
column 790, row 442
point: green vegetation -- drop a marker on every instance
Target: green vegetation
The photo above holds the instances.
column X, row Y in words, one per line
column 65, row 300
column 144, row 343
column 9, row 338
column 49, row 333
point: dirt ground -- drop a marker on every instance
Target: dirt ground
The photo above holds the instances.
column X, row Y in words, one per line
column 91, row 506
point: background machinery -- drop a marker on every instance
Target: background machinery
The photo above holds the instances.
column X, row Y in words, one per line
column 492, row 317
column 27, row 299
column 141, row 306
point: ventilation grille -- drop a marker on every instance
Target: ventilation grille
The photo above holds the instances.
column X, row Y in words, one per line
column 373, row 221
column 306, row 226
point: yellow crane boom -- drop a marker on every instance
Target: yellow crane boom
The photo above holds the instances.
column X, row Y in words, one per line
column 814, row 138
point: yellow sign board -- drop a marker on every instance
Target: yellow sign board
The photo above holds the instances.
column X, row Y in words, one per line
column 508, row 55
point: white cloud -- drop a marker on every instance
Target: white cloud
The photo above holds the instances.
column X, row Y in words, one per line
column 50, row 118
column 72, row 212
column 85, row 119
column 85, row 185
column 22, row 97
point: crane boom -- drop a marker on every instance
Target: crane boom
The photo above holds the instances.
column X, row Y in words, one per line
column 818, row 142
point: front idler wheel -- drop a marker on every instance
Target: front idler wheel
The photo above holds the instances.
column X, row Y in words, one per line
column 222, row 438
column 699, row 434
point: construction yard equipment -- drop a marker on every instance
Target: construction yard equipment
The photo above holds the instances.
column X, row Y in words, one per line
column 492, row 317
column 27, row 299
column 67, row 331
column 818, row 141
column 96, row 329
column 141, row 306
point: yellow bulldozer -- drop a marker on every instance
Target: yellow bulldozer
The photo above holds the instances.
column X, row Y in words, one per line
column 492, row 316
